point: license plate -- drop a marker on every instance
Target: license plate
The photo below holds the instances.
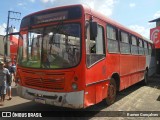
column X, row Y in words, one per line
column 40, row 100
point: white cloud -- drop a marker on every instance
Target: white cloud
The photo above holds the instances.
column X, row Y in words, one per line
column 45, row 1
column 141, row 30
column 21, row 4
column 132, row 5
column 32, row 1
column 104, row 6
column 157, row 14
column 2, row 29
column 48, row 1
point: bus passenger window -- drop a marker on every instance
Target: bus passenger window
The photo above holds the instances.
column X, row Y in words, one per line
column 141, row 48
column 134, row 46
column 112, row 39
column 124, row 44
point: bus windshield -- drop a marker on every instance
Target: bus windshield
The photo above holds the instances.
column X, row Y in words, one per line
column 52, row 47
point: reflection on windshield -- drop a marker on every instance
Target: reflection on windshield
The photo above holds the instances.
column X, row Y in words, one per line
column 51, row 47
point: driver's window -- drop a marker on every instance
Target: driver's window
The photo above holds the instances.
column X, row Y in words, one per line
column 95, row 47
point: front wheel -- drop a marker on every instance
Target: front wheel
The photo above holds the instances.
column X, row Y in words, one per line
column 111, row 92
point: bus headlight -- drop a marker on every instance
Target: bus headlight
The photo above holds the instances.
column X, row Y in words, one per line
column 74, row 86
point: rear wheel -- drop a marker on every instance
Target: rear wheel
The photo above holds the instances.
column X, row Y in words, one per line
column 145, row 81
column 111, row 92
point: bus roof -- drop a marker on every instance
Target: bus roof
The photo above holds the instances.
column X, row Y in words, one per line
column 114, row 23
column 90, row 11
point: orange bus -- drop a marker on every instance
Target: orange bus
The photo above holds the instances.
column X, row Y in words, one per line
column 72, row 56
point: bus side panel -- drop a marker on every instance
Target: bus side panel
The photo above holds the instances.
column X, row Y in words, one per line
column 105, row 89
column 134, row 69
column 134, row 78
column 89, row 96
column 141, row 67
column 95, row 76
column 96, row 72
column 126, row 70
column 101, row 91
column 95, row 93
column 112, row 64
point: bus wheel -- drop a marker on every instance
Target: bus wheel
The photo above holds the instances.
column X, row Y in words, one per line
column 145, row 81
column 111, row 92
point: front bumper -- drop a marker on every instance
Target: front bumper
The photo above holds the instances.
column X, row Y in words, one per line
column 71, row 99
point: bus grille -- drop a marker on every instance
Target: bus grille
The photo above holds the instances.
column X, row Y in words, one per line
column 57, row 84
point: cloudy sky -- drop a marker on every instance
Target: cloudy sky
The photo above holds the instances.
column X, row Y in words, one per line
column 133, row 14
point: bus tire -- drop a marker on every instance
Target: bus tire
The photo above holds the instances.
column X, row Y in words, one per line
column 145, row 81
column 112, row 89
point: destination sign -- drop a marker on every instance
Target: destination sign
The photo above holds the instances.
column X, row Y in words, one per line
column 51, row 17
column 61, row 14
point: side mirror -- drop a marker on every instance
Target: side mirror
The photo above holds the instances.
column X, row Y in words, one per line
column 93, row 30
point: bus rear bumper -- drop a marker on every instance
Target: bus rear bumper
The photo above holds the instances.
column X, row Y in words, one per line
column 70, row 99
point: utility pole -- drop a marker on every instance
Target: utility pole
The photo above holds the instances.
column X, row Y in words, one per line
column 7, row 42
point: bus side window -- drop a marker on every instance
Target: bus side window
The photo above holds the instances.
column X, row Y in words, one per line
column 134, row 46
column 112, row 39
column 97, row 43
column 141, row 49
column 145, row 48
column 124, row 44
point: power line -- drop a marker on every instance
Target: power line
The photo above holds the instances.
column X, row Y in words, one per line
column 7, row 42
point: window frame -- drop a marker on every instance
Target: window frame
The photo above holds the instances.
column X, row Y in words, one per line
column 134, row 45
column 90, row 55
column 141, row 48
column 121, row 43
column 111, row 41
